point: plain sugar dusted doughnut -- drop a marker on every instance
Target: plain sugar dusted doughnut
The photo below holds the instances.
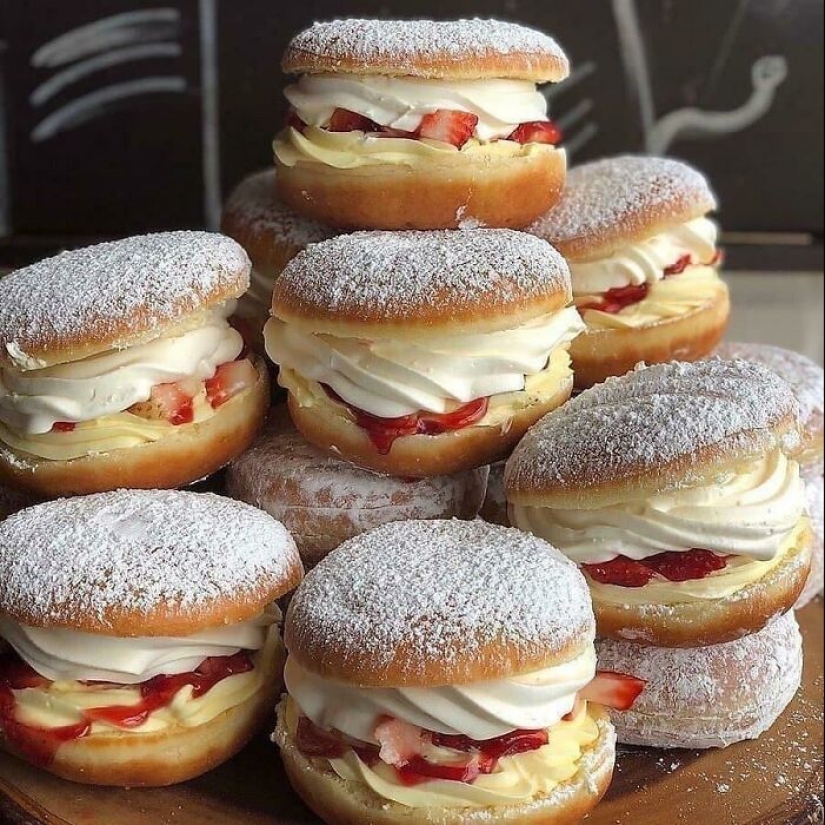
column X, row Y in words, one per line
column 323, row 500
column 708, row 697
column 675, row 488
column 141, row 626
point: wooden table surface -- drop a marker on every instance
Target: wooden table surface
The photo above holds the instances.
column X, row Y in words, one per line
column 777, row 780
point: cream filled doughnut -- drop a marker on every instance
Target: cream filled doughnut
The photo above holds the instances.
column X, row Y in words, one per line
column 117, row 363
column 443, row 671
column 323, row 500
column 416, row 124
column 423, row 353
column 143, row 638
column 272, row 235
column 673, row 488
column 708, row 697
column 494, row 508
column 643, row 261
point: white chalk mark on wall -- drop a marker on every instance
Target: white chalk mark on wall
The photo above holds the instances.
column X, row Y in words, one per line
column 767, row 74
column 659, row 134
column 210, row 114
column 54, row 85
column 95, row 103
column 147, row 25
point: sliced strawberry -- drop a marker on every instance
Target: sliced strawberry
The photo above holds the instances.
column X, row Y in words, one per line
column 617, row 299
column 621, row 571
column 540, row 131
column 613, row 690
column 419, row 770
column 168, row 402
column 683, row 567
column 400, row 742
column 314, row 741
column 292, row 120
column 386, row 131
column 464, row 416
column 680, row 266
column 63, row 427
column 229, row 380
column 343, row 120
column 519, row 741
column 455, row 128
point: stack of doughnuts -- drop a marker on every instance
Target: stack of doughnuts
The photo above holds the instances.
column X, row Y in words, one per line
column 142, row 637
column 806, row 379
column 643, row 259
column 676, row 490
column 418, row 124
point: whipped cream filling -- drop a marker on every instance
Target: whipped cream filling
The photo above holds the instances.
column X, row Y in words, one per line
column 483, row 710
column 33, row 401
column 750, row 513
column 645, row 262
column 403, row 102
column 392, row 378
column 62, row 655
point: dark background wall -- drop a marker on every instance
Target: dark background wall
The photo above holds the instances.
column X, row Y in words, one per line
column 120, row 116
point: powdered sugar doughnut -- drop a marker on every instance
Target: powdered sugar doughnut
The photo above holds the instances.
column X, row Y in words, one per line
column 323, row 501
column 494, row 508
column 708, row 697
column 807, row 380
column 117, row 362
column 272, row 235
column 673, row 488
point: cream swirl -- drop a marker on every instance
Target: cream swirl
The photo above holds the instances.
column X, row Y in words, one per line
column 403, row 102
column 645, row 262
column 483, row 710
column 32, row 401
column 750, row 513
column 391, row 378
column 63, row 655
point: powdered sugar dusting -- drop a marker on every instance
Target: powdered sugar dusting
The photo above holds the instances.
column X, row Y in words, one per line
column 397, row 276
column 404, row 44
column 602, row 197
column 92, row 293
column 634, row 425
column 137, row 551
column 806, row 377
column 256, row 206
column 413, row 593
column 711, row 696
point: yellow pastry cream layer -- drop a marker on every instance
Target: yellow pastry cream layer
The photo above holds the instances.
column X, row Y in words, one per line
column 668, row 298
column 739, row 572
column 102, row 435
column 515, row 779
column 350, row 150
column 61, row 703
column 502, row 408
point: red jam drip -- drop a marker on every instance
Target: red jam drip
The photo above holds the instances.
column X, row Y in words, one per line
column 63, row 427
column 482, row 756
column 384, row 431
column 40, row 744
column 675, row 567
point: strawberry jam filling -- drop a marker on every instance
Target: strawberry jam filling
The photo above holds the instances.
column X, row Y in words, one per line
column 384, row 431
column 40, row 744
column 675, row 567
column 615, row 300
column 444, row 125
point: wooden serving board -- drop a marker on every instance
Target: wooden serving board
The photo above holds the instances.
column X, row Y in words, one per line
column 777, row 780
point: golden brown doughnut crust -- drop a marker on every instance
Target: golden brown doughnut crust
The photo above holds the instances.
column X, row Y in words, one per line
column 599, row 354
column 509, row 193
column 399, row 284
column 615, row 202
column 329, row 426
column 116, row 295
column 349, row 803
column 452, row 50
column 188, row 454
column 163, row 758
column 711, row 622
column 655, row 429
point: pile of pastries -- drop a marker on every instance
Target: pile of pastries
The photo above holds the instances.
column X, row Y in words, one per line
column 518, row 502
